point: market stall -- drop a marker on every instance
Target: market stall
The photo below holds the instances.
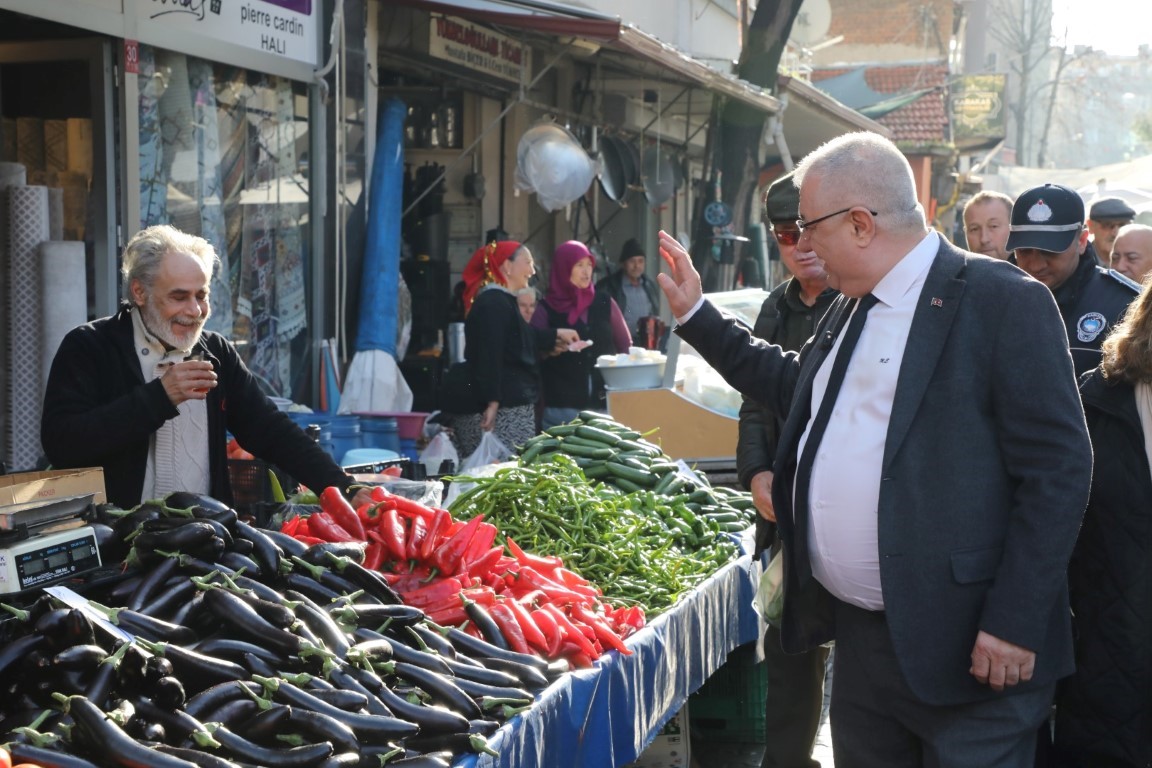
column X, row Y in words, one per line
column 607, row 715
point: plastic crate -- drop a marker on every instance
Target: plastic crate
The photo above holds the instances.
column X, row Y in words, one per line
column 250, row 483
column 730, row 704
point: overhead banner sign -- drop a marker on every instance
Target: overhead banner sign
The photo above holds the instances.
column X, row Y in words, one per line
column 283, row 28
column 978, row 108
column 478, row 48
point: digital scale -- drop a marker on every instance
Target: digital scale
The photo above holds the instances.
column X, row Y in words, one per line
column 45, row 542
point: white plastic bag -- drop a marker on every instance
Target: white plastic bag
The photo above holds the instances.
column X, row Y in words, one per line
column 769, row 598
column 439, row 450
column 490, row 451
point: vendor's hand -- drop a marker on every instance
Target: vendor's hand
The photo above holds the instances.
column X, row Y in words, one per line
column 1000, row 664
column 565, row 336
column 488, row 418
column 188, row 380
column 682, row 287
column 362, row 497
column 761, row 488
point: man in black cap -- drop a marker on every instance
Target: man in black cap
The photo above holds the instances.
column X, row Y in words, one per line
column 787, row 318
column 636, row 294
column 1050, row 243
column 1105, row 218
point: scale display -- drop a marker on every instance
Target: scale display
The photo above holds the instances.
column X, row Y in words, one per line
column 47, row 559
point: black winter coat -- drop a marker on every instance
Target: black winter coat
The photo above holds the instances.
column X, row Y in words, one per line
column 571, row 379
column 1104, row 711
column 99, row 412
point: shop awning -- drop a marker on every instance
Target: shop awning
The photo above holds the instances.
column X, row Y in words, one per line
column 597, row 29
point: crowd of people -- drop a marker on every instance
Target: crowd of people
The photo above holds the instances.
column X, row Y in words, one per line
column 951, row 448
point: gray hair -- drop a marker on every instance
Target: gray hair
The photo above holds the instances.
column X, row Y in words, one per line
column 148, row 247
column 870, row 171
column 989, row 196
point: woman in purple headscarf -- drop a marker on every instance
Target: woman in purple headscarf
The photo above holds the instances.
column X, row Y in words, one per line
column 571, row 381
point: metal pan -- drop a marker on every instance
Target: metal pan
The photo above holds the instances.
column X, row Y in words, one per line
column 613, row 169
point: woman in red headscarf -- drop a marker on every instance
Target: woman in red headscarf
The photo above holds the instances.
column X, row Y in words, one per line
column 500, row 350
column 571, row 381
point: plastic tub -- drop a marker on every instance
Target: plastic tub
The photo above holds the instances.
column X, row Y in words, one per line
column 345, row 434
column 632, row 375
column 358, row 456
column 378, row 431
column 409, row 425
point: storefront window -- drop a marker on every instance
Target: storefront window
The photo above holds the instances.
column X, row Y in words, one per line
column 223, row 154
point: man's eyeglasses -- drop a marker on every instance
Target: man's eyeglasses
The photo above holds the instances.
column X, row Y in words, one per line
column 786, row 236
column 807, row 225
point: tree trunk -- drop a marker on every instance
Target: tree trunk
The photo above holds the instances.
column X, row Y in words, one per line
column 735, row 136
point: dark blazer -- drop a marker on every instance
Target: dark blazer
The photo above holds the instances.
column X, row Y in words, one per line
column 986, row 472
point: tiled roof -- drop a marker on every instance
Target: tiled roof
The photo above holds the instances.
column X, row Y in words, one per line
column 923, row 121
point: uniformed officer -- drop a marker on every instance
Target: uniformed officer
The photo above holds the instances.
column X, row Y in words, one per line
column 1049, row 240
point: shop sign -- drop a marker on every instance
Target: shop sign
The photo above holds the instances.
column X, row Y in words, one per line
column 478, row 48
column 978, row 107
column 284, row 28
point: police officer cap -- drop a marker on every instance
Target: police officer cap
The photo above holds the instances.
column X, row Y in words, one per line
column 1111, row 208
column 782, row 200
column 1047, row 218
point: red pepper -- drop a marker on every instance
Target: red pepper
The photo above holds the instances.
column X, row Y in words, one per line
column 290, row 525
column 602, row 631
column 303, row 529
column 483, row 565
column 324, row 527
column 574, row 582
column 542, row 564
column 369, row 514
column 452, row 616
column 309, row 540
column 406, row 507
column 392, row 535
column 373, row 555
column 532, row 633
column 440, row 521
column 528, row 578
column 333, row 502
column 579, row 660
column 433, row 592
column 509, row 627
column 570, row 631
column 449, row 553
column 482, row 541
column 417, row 531
column 546, row 622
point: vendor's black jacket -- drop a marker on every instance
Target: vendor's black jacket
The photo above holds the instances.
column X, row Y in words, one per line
column 99, row 412
column 571, row 379
column 1091, row 302
column 613, row 285
column 788, row 322
column 1104, row 711
column 501, row 350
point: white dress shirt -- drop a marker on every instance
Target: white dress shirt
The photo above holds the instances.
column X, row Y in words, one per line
column 845, row 484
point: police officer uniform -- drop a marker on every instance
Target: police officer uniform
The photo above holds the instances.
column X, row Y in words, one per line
column 1092, row 299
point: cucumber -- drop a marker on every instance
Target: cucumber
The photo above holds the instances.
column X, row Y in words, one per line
column 597, row 434
column 640, row 477
column 576, row 449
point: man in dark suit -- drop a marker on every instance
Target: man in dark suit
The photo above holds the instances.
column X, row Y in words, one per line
column 929, row 507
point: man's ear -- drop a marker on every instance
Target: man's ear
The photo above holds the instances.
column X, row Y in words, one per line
column 139, row 293
column 863, row 225
column 1082, row 241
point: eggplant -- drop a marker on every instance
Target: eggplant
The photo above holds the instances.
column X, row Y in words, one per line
column 147, row 627
column 166, row 603
column 370, row 727
column 231, row 648
column 65, row 627
column 388, row 650
column 486, row 624
column 242, row 617
column 288, row 545
column 197, row 502
column 372, row 582
column 168, row 692
column 440, row 687
column 362, row 681
column 304, row 584
column 331, row 635
column 478, row 690
column 481, row 674
column 318, row 554
column 324, row 727
column 16, row 651
column 291, row 757
column 196, row 757
column 532, row 678
column 258, row 666
column 349, row 701
column 212, row 698
column 46, row 758
column 197, row 670
column 151, row 583
column 431, row 719
column 373, row 615
column 116, row 746
column 83, row 657
column 264, row 550
column 240, row 562
column 265, row 725
column 433, row 639
column 168, row 523
column 478, row 648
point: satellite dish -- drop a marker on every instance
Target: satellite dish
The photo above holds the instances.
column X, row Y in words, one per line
column 812, row 22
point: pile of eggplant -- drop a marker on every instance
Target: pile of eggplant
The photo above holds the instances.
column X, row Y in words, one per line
column 248, row 648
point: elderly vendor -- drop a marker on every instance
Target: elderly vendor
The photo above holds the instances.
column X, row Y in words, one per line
column 149, row 395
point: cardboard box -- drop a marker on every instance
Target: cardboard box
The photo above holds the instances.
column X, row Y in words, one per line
column 52, row 484
column 670, row 748
column 685, row 429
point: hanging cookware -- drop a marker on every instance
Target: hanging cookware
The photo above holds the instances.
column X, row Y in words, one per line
column 613, row 169
column 659, row 177
column 551, row 163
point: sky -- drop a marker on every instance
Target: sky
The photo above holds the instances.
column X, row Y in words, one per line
column 1115, row 26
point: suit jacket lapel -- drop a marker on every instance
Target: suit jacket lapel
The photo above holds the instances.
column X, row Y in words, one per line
column 935, row 312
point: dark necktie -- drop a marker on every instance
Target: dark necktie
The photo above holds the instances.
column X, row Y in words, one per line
column 816, row 433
